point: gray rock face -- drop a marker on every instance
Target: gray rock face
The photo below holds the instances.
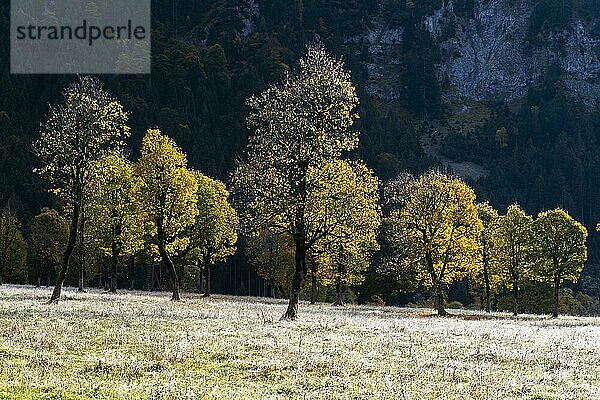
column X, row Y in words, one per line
column 485, row 56
column 384, row 65
column 489, row 56
column 581, row 65
column 248, row 14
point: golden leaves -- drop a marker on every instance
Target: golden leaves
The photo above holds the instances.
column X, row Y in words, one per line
column 437, row 227
column 165, row 189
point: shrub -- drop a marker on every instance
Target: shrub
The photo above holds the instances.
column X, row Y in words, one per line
column 457, row 305
column 376, row 300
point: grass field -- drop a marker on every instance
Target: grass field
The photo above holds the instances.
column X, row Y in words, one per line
column 142, row 346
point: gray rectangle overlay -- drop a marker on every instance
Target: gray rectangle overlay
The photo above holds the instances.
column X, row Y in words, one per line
column 80, row 37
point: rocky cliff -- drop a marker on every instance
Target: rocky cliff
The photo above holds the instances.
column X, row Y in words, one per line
column 492, row 55
column 486, row 53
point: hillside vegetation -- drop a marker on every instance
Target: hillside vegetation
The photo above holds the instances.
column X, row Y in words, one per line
column 143, row 346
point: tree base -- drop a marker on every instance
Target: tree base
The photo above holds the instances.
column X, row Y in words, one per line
column 288, row 317
column 291, row 313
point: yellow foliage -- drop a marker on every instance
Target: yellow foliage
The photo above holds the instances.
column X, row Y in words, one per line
column 165, row 191
column 437, row 228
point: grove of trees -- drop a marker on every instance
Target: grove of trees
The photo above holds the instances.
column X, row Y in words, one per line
column 306, row 205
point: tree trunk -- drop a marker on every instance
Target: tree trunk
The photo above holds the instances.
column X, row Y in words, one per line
column 340, row 288
column 161, row 244
column 200, row 277
column 115, row 250
column 297, row 281
column 132, row 271
column 487, row 289
column 313, row 275
column 113, row 272
column 81, row 279
column 556, row 296
column 106, row 275
column 282, row 292
column 172, row 272
column 515, row 298
column 174, row 279
column 60, row 278
column 437, row 280
column 313, row 289
column 439, row 300
column 339, row 294
column 206, row 279
column 81, row 254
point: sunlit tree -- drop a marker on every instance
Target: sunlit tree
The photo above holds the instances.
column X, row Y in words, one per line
column 559, row 249
column 512, row 249
column 213, row 236
column 435, row 229
column 88, row 124
column 301, row 127
column 342, row 266
column 113, row 218
column 165, row 193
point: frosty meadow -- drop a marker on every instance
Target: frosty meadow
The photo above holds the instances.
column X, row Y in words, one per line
column 138, row 345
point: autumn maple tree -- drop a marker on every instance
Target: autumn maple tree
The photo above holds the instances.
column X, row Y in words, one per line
column 512, row 250
column 488, row 217
column 302, row 127
column 559, row 250
column 435, row 230
column 47, row 240
column 213, row 235
column 165, row 193
column 113, row 216
column 88, row 124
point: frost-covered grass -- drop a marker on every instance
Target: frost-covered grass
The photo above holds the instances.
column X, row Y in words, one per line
column 142, row 346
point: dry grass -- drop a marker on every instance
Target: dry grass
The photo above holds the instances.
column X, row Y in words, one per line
column 142, row 346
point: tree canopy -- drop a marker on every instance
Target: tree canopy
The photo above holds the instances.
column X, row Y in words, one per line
column 301, row 129
column 436, row 229
column 87, row 125
column 165, row 192
column 559, row 249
